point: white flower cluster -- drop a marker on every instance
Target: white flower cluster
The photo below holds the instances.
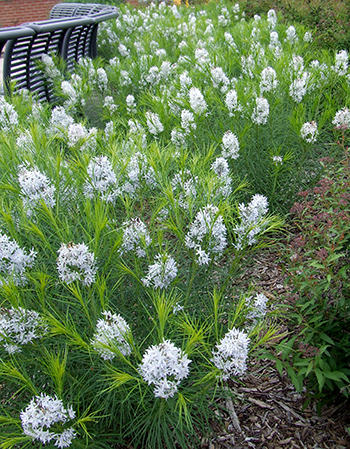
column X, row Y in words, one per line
column 19, row 327
column 187, row 122
column 341, row 63
column 309, row 132
column 219, row 79
column 272, row 19
column 76, row 263
column 230, row 145
column 231, row 102
column 251, row 217
column 112, row 330
column 137, row 171
column 261, row 111
column 135, row 237
column 35, row 187
column 342, row 119
column 257, row 307
column 197, row 101
column 43, row 413
column 164, row 366
column 268, row 80
column 79, row 135
column 184, row 182
column 51, row 71
column 292, row 36
column 298, row 88
column 161, row 273
column 154, row 124
column 13, row 261
column 231, row 354
column 101, row 180
column 221, row 169
column 207, row 234
column 8, row 116
column 60, row 121
column 277, row 160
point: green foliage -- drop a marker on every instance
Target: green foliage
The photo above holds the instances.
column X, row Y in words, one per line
column 328, row 19
column 318, row 264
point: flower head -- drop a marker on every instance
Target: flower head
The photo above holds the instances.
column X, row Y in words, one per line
column 135, row 237
column 111, row 330
column 76, row 263
column 309, row 132
column 230, row 145
column 261, row 111
column 161, row 273
column 342, row 119
column 35, row 187
column 207, row 234
column 41, row 416
column 197, row 101
column 19, row 327
column 101, row 179
column 231, row 354
column 14, row 261
column 164, row 366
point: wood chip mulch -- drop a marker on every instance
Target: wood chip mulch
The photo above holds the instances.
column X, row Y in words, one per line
column 268, row 413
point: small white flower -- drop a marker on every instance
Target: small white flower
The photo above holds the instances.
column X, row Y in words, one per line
column 154, row 124
column 261, row 111
column 298, row 88
column 41, row 414
column 197, row 101
column 231, row 353
column 60, row 121
column 112, row 330
column 207, row 233
column 76, row 263
column 342, row 119
column 268, row 80
column 184, row 187
column 231, row 102
column 19, row 327
column 258, row 306
column 272, row 19
column 292, row 35
column 164, row 366
column 35, row 187
column 135, row 237
column 307, row 37
column 161, row 273
column 123, row 50
column 277, row 160
column 251, row 217
column 230, row 145
column 138, row 172
column 309, row 132
column 101, row 180
column 8, row 116
column 187, row 122
column 341, row 63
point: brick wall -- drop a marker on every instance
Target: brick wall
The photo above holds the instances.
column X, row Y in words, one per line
column 16, row 12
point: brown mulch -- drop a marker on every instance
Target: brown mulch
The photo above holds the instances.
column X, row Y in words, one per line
column 268, row 413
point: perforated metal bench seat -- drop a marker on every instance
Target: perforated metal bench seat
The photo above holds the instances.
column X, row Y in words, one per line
column 70, row 38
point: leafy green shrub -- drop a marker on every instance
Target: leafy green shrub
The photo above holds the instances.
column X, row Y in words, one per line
column 328, row 19
column 319, row 266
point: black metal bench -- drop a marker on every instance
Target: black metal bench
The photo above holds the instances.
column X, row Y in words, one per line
column 69, row 38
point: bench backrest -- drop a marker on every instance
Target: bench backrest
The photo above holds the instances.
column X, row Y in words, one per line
column 78, row 9
column 70, row 38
